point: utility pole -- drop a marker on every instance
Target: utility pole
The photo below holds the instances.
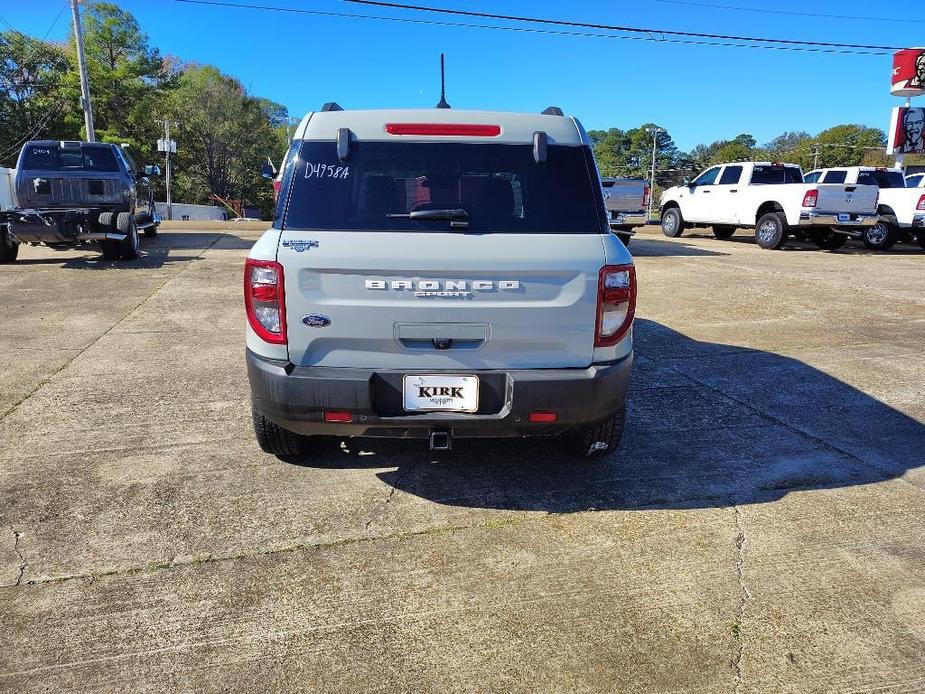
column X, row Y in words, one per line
column 82, row 68
column 654, row 132
column 168, row 147
column 815, row 156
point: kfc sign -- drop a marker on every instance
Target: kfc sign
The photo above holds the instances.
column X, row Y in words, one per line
column 908, row 72
column 907, row 127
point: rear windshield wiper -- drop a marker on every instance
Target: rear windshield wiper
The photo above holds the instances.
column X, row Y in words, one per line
column 459, row 219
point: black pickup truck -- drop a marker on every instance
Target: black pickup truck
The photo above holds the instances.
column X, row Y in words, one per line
column 71, row 194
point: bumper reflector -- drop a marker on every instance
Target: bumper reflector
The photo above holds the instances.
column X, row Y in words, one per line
column 543, row 417
column 338, row 416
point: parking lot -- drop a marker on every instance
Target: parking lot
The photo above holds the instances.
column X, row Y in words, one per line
column 760, row 528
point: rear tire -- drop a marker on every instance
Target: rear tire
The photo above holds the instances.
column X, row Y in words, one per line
column 672, row 223
column 599, row 439
column 275, row 440
column 130, row 247
column 882, row 236
column 9, row 249
column 771, row 231
column 723, row 232
column 830, row 240
column 110, row 249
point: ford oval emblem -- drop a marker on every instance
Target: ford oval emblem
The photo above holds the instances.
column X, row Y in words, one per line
column 316, row 320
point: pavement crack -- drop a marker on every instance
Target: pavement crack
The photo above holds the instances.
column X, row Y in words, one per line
column 744, row 596
column 22, row 559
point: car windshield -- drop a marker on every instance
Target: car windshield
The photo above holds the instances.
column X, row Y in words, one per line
column 84, row 158
column 386, row 186
column 769, row 175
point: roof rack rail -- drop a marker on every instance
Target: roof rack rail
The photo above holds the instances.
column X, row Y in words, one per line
column 331, row 106
column 552, row 111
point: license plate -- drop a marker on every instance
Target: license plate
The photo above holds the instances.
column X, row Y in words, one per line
column 438, row 393
column 843, row 217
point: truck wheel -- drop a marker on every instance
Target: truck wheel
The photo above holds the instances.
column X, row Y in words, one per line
column 723, row 232
column 9, row 249
column 151, row 231
column 130, row 247
column 110, row 249
column 771, row 231
column 830, row 240
column 672, row 223
column 880, row 237
column 275, row 440
column 625, row 238
column 596, row 440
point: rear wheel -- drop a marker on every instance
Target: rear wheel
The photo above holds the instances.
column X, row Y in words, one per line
column 723, row 232
column 771, row 231
column 830, row 240
column 9, row 249
column 110, row 249
column 130, row 247
column 672, row 223
column 596, row 440
column 882, row 236
column 275, row 440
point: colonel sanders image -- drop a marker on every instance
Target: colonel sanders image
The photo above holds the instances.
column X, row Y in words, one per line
column 913, row 127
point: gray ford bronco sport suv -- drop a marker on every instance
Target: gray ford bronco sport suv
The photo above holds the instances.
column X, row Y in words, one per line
column 439, row 274
column 71, row 194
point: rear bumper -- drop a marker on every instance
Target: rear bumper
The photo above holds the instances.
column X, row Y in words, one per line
column 296, row 398
column 830, row 219
column 58, row 225
column 630, row 219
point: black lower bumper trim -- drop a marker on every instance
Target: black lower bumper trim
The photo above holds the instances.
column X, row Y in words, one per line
column 296, row 397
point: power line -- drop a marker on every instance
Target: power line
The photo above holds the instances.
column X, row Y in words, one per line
column 531, row 30
column 614, row 27
column 792, row 13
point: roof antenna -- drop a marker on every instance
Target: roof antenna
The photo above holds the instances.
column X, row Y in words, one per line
column 443, row 103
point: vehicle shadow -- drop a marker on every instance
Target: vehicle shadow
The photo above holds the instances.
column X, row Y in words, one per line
column 729, row 426
column 852, row 247
column 166, row 248
column 653, row 247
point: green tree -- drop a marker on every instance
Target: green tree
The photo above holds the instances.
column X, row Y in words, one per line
column 224, row 137
column 36, row 96
column 846, row 145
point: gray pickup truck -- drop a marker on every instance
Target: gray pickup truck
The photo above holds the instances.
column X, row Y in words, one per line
column 71, row 194
column 439, row 275
column 627, row 202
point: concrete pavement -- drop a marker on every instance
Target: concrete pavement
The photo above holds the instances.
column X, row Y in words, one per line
column 759, row 529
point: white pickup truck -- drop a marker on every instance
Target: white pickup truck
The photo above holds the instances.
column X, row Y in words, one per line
column 901, row 208
column 771, row 198
column 627, row 202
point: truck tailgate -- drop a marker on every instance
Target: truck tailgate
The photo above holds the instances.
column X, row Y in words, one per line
column 834, row 197
column 440, row 300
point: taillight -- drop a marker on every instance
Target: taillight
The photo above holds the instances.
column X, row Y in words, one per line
column 645, row 196
column 277, row 184
column 921, row 206
column 265, row 300
column 811, row 198
column 616, row 303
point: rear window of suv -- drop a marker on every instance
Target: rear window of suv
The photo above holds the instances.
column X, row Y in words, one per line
column 499, row 187
column 769, row 175
column 83, row 158
column 883, row 179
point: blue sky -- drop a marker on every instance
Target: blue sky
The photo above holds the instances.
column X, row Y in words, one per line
column 699, row 93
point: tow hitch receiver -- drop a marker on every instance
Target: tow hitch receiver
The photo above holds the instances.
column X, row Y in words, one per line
column 440, row 441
